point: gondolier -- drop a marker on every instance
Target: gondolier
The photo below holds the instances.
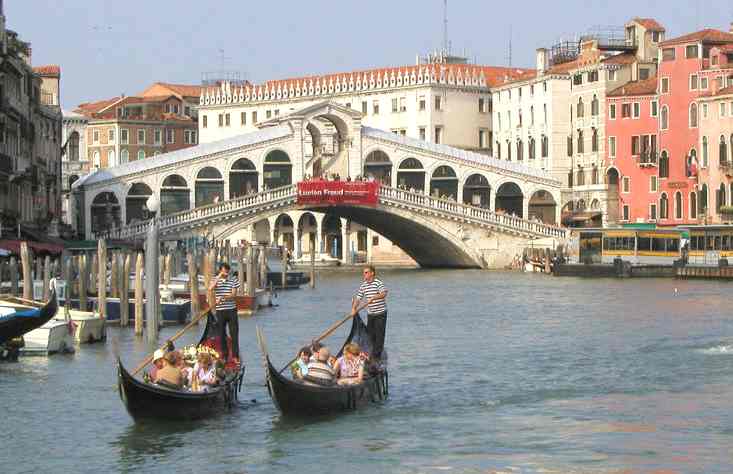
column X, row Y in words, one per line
column 225, row 289
column 372, row 294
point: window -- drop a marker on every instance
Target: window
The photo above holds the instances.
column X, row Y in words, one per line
column 124, row 156
column 204, row 121
column 664, row 118
column 652, row 212
column 95, row 135
column 438, row 102
column 508, row 151
column 580, row 108
column 626, row 212
column 520, row 117
column 637, row 110
column 693, row 82
column 635, row 145
column 544, row 113
column 704, row 83
column 422, row 133
column 653, row 107
column 438, row 134
column 254, row 117
column 704, row 111
column 593, row 76
column 577, row 79
column 653, row 184
column 111, row 135
column 626, row 184
column 482, row 105
column 612, row 147
column 111, row 158
column 124, row 136
column 544, row 86
column 394, row 105
column 158, row 136
column 268, row 114
column 531, row 149
column 141, row 137
column 722, row 151
column 594, row 106
column 403, row 106
column 612, row 112
column 693, row 115
column 580, row 142
column 167, row 108
column 221, row 120
column 570, row 146
column 189, row 137
column 664, row 85
column 691, row 51
column 580, row 177
column 141, row 154
column 722, row 109
column 612, row 75
column 498, row 150
column 594, row 140
column 482, row 142
column 693, row 205
column 531, row 90
column 175, row 108
column 668, row 54
column 375, row 107
column 96, row 160
column 364, row 107
column 545, row 145
column 643, row 74
column 664, row 165
column 187, row 111
column 243, row 119
column 626, row 110
column 421, row 103
column 704, row 152
column 678, row 205
column 170, row 135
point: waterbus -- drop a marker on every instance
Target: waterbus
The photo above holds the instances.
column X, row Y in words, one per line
column 637, row 246
column 709, row 244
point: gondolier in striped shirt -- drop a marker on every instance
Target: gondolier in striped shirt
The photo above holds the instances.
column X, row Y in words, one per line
column 372, row 294
column 225, row 289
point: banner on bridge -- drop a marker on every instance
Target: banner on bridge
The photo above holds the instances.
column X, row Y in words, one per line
column 337, row 193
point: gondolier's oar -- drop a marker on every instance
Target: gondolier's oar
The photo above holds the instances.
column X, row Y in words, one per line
column 188, row 326
column 328, row 332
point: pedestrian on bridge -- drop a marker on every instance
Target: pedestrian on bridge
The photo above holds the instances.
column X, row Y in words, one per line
column 372, row 295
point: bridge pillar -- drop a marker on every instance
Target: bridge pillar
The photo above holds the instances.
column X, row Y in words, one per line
column 297, row 252
column 345, row 247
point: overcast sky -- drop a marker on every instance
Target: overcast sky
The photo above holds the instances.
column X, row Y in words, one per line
column 109, row 47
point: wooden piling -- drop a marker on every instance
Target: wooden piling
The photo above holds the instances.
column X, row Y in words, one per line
column 39, row 269
column 13, row 276
column 193, row 282
column 102, row 278
column 313, row 263
column 25, row 260
column 263, row 267
column 81, row 264
column 114, row 287
column 66, row 268
column 167, row 269
column 161, row 269
column 125, row 262
column 242, row 271
column 284, row 263
column 211, row 268
column 139, row 294
column 93, row 272
column 548, row 267
column 46, row 278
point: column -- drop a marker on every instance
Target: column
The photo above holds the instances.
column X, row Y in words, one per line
column 297, row 252
column 345, row 247
column 525, row 207
column 320, row 242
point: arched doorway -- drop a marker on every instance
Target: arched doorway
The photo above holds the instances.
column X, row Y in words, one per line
column 136, row 208
column 509, row 199
column 243, row 178
column 379, row 166
column 174, row 195
column 307, row 233
column 332, row 237
column 411, row 175
column 476, row 191
column 209, row 186
column 542, row 206
column 444, row 183
column 277, row 171
column 612, row 177
column 284, row 232
column 106, row 212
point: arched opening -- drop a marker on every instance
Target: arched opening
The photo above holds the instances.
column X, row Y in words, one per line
column 595, row 204
column 378, row 166
column 663, row 207
column 722, row 151
column 693, row 205
column 678, row 205
column 612, row 177
column 136, row 208
column 278, row 171
column 243, row 177
column 261, row 232
column 209, row 186
column 307, row 232
column 509, row 199
column 476, row 191
column 106, row 212
column 664, row 165
column 332, row 236
column 411, row 175
column 73, row 146
column 542, row 206
column 174, row 195
column 702, row 203
column 720, row 198
column 329, row 134
column 444, row 183
column 285, row 232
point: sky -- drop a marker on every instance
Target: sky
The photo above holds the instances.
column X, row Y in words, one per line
column 106, row 47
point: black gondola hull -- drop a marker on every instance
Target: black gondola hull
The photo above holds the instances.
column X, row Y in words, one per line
column 11, row 328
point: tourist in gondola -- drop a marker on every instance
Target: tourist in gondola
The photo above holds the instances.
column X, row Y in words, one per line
column 169, row 375
column 350, row 366
column 319, row 372
column 372, row 294
column 157, row 363
column 299, row 367
column 204, row 373
column 225, row 289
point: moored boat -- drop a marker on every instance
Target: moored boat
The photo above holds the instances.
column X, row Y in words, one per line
column 55, row 336
column 148, row 400
column 296, row 398
column 88, row 326
column 19, row 316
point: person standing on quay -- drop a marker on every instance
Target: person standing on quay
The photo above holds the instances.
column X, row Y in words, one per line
column 225, row 289
column 373, row 295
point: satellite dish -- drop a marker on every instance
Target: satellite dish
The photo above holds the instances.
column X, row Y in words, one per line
column 152, row 203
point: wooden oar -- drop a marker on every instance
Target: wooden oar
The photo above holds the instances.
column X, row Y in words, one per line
column 188, row 326
column 22, row 300
column 323, row 336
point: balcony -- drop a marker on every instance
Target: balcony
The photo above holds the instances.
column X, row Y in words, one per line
column 647, row 158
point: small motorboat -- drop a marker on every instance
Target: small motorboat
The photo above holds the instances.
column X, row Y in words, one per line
column 55, row 336
column 89, row 327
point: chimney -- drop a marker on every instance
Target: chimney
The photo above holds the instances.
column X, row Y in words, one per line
column 541, row 61
column 731, row 27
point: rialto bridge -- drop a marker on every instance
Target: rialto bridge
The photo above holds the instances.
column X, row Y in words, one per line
column 445, row 207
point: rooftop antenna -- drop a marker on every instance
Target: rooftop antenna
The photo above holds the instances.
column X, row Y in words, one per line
column 445, row 27
column 509, row 56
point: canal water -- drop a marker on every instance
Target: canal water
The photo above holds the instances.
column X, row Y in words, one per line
column 489, row 372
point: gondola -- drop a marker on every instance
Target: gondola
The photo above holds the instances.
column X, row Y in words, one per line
column 295, row 398
column 18, row 317
column 147, row 400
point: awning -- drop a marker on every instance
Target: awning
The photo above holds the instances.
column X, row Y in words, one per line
column 13, row 246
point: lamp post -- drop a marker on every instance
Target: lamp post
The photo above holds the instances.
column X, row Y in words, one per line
column 152, row 250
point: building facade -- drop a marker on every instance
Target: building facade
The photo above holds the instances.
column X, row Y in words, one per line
column 74, row 161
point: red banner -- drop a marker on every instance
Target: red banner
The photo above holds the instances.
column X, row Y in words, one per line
column 336, row 193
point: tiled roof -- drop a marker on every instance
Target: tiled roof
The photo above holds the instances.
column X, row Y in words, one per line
column 645, row 87
column 48, row 70
column 185, row 154
column 623, row 58
column 91, row 108
column 183, row 90
column 650, row 24
column 709, row 35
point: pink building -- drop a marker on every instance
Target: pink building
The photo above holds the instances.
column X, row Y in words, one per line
column 685, row 74
column 631, row 126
